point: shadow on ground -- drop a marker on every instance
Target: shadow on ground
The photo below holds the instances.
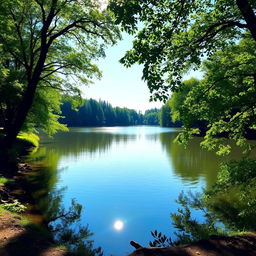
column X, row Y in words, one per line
column 242, row 245
column 19, row 240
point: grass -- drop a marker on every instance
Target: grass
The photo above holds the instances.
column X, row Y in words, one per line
column 3, row 180
column 14, row 207
column 36, row 227
column 30, row 138
column 25, row 139
column 27, row 223
column 2, row 210
column 63, row 247
column 238, row 233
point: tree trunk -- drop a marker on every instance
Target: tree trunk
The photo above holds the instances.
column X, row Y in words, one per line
column 8, row 153
column 27, row 99
column 248, row 15
column 20, row 117
column 33, row 78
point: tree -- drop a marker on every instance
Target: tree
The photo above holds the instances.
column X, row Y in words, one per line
column 178, row 110
column 173, row 36
column 47, row 46
column 151, row 117
column 225, row 98
column 99, row 113
column 178, row 98
column 165, row 117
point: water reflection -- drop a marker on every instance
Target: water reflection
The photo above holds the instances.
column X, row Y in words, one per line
column 193, row 162
column 133, row 172
column 78, row 141
column 61, row 219
column 118, row 225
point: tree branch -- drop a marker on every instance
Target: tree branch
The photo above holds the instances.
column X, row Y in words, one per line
column 42, row 9
column 17, row 25
column 248, row 15
column 210, row 32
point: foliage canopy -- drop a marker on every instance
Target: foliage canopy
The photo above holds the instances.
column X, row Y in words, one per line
column 224, row 99
column 47, row 49
column 174, row 36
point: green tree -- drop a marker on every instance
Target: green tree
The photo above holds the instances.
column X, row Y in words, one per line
column 151, row 117
column 225, row 98
column 178, row 98
column 99, row 113
column 166, row 118
column 45, row 46
column 173, row 36
column 109, row 113
column 179, row 111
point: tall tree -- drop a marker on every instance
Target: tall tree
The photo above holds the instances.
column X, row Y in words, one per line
column 165, row 116
column 48, row 44
column 99, row 113
column 225, row 98
column 178, row 110
column 172, row 36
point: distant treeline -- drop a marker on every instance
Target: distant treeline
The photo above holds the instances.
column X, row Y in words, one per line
column 165, row 118
column 102, row 113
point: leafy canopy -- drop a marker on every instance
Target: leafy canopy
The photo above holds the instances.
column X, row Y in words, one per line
column 173, row 36
column 225, row 98
column 48, row 48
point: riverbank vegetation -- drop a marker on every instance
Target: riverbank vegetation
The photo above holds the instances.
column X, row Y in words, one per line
column 101, row 113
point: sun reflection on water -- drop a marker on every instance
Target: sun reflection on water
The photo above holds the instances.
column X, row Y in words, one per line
column 118, row 225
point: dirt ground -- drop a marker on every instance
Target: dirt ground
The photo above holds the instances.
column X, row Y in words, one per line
column 19, row 240
column 242, row 245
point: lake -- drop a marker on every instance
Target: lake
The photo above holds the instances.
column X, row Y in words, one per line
column 126, row 178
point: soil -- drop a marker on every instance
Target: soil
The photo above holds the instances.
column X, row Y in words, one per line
column 19, row 240
column 240, row 245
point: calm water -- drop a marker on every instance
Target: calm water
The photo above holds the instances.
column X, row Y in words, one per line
column 131, row 174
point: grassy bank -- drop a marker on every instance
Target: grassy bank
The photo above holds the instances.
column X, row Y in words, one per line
column 29, row 139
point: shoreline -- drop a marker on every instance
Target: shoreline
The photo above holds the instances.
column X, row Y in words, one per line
column 20, row 234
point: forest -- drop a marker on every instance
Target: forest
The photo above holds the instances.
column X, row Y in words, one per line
column 101, row 113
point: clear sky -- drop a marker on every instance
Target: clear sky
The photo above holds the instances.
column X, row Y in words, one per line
column 119, row 85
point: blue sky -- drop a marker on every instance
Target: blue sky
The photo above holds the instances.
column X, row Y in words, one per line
column 119, row 85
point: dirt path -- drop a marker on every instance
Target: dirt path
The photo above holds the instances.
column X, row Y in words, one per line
column 19, row 240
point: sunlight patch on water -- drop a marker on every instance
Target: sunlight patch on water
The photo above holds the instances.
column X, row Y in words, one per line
column 118, row 225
